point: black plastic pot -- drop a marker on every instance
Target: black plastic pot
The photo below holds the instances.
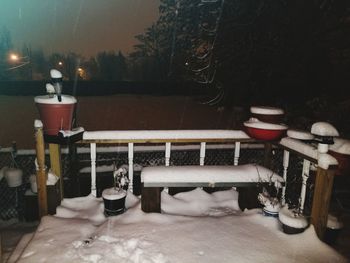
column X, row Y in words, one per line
column 114, row 201
column 292, row 230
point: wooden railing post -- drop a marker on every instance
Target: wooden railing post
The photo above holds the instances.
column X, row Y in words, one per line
column 56, row 166
column 268, row 155
column 321, row 200
column 41, row 175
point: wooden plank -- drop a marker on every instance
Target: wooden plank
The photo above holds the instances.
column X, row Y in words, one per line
column 321, row 200
column 150, row 199
column 172, row 140
column 56, row 166
column 41, row 175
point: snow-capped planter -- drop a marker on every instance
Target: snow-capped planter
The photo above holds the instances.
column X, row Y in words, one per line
column 114, row 201
column 267, row 114
column 56, row 115
column 324, row 133
column 265, row 131
column 114, row 198
column 271, row 205
column 13, row 177
column 334, row 227
column 292, row 221
column 340, row 150
column 300, row 135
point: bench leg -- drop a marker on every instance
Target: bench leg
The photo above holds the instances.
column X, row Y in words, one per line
column 150, row 199
column 248, row 197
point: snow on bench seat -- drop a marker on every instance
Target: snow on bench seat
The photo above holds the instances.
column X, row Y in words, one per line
column 194, row 175
column 241, row 176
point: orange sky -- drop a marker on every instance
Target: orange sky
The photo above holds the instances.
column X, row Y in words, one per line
column 82, row 26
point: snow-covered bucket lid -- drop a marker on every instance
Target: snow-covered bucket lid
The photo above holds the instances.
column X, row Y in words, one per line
column 324, row 129
column 291, row 219
column 113, row 194
column 266, row 110
column 255, row 123
column 46, row 99
column 300, row 135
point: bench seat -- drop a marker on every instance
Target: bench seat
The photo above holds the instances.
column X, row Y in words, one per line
column 156, row 177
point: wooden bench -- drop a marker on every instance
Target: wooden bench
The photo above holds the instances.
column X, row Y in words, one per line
column 153, row 179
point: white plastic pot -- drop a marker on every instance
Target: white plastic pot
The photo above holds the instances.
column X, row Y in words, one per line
column 33, row 184
column 13, row 177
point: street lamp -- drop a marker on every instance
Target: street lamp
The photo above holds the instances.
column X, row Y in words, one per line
column 14, row 57
column 19, row 61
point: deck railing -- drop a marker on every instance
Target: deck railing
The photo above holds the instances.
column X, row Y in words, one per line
column 168, row 138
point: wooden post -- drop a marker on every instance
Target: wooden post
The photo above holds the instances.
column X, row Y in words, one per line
column 41, row 175
column 56, row 166
column 150, row 200
column 321, row 200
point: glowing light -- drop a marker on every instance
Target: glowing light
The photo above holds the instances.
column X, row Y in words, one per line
column 14, row 57
column 60, row 63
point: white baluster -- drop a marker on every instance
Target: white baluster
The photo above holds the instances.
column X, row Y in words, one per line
column 285, row 170
column 167, row 153
column 93, row 168
column 202, row 153
column 305, row 176
column 131, row 165
column 237, row 152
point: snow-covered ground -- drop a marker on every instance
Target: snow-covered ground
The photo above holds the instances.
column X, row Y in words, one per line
column 194, row 227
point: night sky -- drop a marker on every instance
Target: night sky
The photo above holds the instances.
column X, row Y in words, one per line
column 81, row 26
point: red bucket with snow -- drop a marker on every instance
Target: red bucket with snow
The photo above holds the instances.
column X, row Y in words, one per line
column 54, row 114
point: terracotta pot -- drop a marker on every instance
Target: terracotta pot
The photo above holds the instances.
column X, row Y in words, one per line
column 55, row 115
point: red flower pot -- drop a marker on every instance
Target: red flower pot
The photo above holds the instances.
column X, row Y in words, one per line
column 56, row 115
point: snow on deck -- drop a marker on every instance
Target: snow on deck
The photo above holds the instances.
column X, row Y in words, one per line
column 165, row 134
column 209, row 236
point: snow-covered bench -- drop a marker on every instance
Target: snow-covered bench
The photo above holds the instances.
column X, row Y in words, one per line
column 155, row 178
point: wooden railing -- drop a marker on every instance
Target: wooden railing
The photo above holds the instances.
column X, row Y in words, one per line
column 324, row 177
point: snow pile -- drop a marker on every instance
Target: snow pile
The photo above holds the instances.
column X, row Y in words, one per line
column 326, row 160
column 46, row 99
column 290, row 218
column 89, row 207
column 139, row 237
column 340, row 146
column 299, row 134
column 324, row 129
column 255, row 123
column 200, row 203
column 300, row 147
column 266, row 110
